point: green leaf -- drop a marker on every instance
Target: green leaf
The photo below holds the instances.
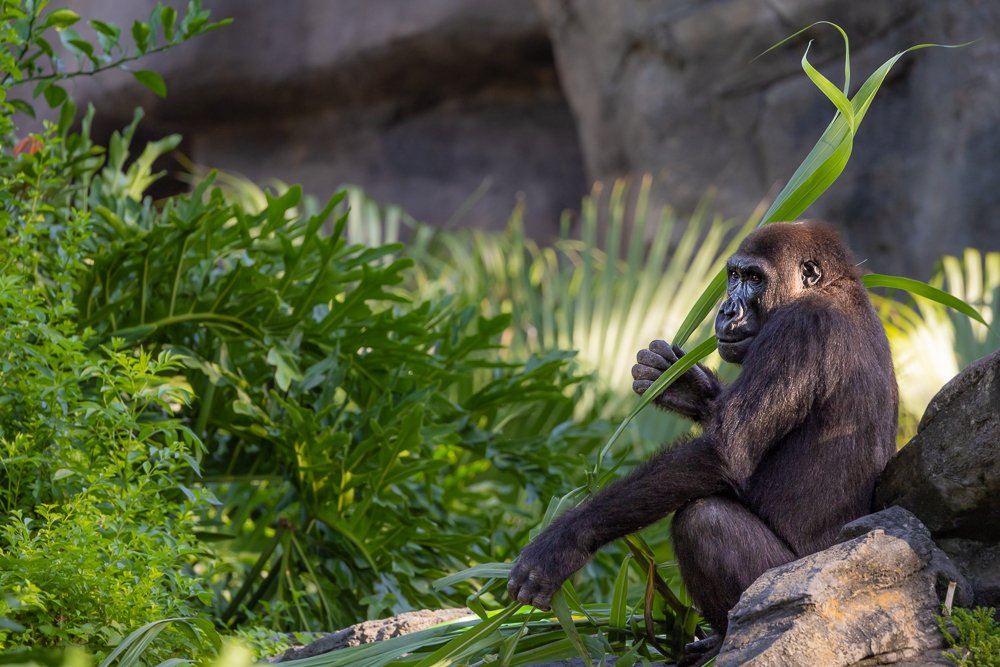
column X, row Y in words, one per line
column 22, row 106
column 619, row 596
column 60, row 19
column 468, row 643
column 700, row 351
column 54, row 95
column 484, row 571
column 923, row 289
column 168, row 18
column 107, row 29
column 151, row 80
column 140, row 33
column 565, row 617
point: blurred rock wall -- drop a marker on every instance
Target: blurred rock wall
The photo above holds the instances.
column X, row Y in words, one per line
column 448, row 106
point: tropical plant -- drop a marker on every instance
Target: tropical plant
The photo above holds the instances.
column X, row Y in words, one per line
column 932, row 343
column 96, row 533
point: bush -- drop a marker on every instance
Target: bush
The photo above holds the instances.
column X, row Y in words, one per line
column 360, row 442
column 975, row 641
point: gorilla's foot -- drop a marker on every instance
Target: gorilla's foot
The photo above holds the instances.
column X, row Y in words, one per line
column 699, row 652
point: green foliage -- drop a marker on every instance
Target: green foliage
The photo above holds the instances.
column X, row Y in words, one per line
column 973, row 636
column 28, row 54
column 97, row 530
column 94, row 525
column 920, row 325
column 380, row 423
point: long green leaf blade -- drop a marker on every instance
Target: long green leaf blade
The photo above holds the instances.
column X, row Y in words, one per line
column 922, row 289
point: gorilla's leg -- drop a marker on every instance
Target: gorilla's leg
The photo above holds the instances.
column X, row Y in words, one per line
column 722, row 547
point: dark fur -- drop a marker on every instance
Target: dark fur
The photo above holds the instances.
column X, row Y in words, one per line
column 790, row 450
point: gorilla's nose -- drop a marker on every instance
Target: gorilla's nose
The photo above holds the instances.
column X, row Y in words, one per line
column 731, row 317
column 732, row 310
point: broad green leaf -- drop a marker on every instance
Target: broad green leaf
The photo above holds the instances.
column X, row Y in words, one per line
column 140, row 33
column 151, row 80
column 60, row 19
column 619, row 596
column 168, row 18
column 923, row 289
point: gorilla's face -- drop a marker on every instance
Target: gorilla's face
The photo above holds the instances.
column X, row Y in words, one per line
column 742, row 314
column 755, row 287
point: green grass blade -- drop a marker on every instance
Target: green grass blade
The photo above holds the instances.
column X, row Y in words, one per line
column 834, row 94
column 699, row 352
column 923, row 289
column 469, row 642
column 619, row 597
column 565, row 617
column 484, row 571
column 702, row 307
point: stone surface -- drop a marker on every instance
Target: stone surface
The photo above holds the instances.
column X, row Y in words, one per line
column 671, row 88
column 373, row 631
column 980, row 563
column 949, row 473
column 901, row 523
column 450, row 108
column 869, row 600
column 454, row 108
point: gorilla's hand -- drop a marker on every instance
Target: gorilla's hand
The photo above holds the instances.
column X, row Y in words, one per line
column 544, row 565
column 691, row 395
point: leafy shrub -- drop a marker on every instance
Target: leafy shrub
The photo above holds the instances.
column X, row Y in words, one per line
column 96, row 528
column 975, row 641
column 390, row 436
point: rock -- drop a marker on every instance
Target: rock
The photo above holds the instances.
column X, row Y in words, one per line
column 451, row 109
column 449, row 105
column 373, row 631
column 672, row 88
column 980, row 563
column 898, row 522
column 869, row 600
column 949, row 473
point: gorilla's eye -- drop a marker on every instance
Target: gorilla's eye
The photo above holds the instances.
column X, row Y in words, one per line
column 734, row 275
column 755, row 278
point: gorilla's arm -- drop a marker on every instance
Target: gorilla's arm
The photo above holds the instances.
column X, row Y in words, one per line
column 792, row 364
column 788, row 368
column 657, row 487
column 691, row 395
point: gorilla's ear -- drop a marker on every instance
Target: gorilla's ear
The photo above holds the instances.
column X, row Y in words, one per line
column 811, row 273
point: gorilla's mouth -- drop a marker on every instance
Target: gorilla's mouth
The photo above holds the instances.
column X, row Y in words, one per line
column 733, row 348
column 734, row 340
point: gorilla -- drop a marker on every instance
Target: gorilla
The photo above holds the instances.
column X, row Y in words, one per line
column 789, row 451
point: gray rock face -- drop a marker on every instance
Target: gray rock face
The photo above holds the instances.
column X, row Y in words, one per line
column 980, row 563
column 869, row 600
column 949, row 474
column 669, row 88
column 446, row 106
column 451, row 109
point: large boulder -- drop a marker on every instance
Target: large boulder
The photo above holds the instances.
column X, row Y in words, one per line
column 673, row 88
column 450, row 108
column 949, row 474
column 871, row 599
